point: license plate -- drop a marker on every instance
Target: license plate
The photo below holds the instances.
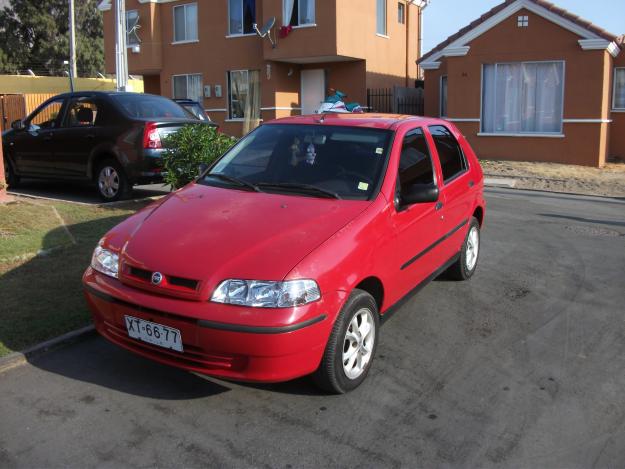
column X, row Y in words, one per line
column 153, row 333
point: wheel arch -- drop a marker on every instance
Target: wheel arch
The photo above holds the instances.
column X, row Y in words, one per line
column 479, row 214
column 374, row 286
column 97, row 157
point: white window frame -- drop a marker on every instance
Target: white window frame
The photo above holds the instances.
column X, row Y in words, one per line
column 230, row 33
column 385, row 10
column 197, row 28
column 128, row 44
column 440, row 96
column 522, row 134
column 401, row 8
column 187, row 75
column 300, row 25
column 229, row 90
column 523, row 21
column 614, row 108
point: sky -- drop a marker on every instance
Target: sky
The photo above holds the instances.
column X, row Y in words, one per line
column 442, row 18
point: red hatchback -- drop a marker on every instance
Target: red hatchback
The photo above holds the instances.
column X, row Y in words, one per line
column 284, row 256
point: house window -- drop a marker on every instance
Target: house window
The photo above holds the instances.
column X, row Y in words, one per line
column 449, row 153
column 522, row 97
column 523, row 21
column 242, row 16
column 401, row 13
column 185, row 23
column 443, row 96
column 298, row 12
column 132, row 26
column 381, row 17
column 188, row 87
column 244, row 94
column 618, row 100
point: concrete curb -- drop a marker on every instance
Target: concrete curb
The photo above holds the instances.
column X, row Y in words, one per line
column 499, row 182
column 16, row 359
column 17, row 195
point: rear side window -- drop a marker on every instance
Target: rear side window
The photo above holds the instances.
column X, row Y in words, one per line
column 145, row 106
column 415, row 164
column 449, row 152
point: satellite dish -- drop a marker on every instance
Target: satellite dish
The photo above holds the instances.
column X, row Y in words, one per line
column 266, row 30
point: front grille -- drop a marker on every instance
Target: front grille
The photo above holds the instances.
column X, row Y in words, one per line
column 171, row 285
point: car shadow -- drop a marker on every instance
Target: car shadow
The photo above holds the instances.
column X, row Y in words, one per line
column 38, row 304
column 75, row 191
column 584, row 220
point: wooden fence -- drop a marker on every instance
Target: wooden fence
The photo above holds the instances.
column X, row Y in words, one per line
column 18, row 106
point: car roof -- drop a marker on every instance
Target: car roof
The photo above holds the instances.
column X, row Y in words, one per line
column 80, row 94
column 371, row 120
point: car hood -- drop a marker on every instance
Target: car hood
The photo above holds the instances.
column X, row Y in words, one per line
column 211, row 234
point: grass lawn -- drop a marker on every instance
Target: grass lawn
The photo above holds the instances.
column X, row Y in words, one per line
column 41, row 264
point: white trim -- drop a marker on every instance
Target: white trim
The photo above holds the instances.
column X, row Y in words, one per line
column 234, row 120
column 231, row 36
column 496, row 134
column 586, row 121
column 298, row 26
column 173, row 88
column 600, row 44
column 462, row 119
column 385, row 36
column 216, row 110
column 305, row 25
column 191, row 41
column 281, row 108
column 430, row 65
column 614, row 108
column 505, row 14
column 197, row 22
column 456, row 51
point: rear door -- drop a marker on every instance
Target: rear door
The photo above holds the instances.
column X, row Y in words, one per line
column 77, row 136
column 33, row 147
column 417, row 226
column 455, row 191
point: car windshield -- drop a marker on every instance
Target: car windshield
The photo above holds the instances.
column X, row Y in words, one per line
column 150, row 106
column 314, row 160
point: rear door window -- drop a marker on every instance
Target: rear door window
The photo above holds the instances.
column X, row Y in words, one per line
column 450, row 155
column 415, row 163
column 83, row 112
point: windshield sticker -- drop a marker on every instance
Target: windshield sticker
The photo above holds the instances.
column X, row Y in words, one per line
column 379, row 150
column 363, row 186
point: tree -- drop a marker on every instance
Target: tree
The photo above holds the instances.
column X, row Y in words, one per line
column 34, row 34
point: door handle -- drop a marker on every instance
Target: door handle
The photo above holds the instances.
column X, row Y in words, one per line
column 438, row 205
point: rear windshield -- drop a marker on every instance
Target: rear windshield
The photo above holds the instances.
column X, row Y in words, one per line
column 345, row 161
column 150, row 107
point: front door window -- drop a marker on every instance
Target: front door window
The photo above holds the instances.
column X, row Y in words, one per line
column 46, row 117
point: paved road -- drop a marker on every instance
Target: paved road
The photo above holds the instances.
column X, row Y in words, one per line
column 79, row 192
column 523, row 366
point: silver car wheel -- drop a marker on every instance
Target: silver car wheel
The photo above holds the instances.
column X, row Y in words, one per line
column 358, row 343
column 108, row 182
column 473, row 248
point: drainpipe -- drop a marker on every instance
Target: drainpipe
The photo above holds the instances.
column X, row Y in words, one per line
column 3, row 192
column 422, row 4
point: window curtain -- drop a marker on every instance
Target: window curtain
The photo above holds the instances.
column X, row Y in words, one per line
column 191, row 21
column 287, row 11
column 381, row 17
column 180, row 87
column 236, row 19
column 522, row 97
column 306, row 11
column 252, row 102
column 194, row 88
column 619, row 88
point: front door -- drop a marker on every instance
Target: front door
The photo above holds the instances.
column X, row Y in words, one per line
column 313, row 90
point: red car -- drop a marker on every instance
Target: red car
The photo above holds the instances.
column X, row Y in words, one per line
column 283, row 258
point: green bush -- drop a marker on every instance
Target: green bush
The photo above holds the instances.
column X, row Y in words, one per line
column 186, row 149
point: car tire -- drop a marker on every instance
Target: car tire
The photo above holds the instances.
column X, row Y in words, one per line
column 111, row 181
column 465, row 266
column 351, row 347
column 12, row 179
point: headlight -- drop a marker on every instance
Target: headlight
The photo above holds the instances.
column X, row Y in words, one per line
column 262, row 294
column 105, row 261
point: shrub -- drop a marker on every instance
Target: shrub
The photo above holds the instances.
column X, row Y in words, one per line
column 186, row 149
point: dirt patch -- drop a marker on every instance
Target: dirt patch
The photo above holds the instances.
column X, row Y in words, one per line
column 608, row 181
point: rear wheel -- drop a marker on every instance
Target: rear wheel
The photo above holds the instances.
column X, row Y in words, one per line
column 351, row 346
column 111, row 180
column 10, row 177
column 464, row 267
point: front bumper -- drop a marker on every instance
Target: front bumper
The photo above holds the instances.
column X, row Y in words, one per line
column 261, row 345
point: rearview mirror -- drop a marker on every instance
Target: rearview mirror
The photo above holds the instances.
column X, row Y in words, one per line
column 202, row 168
column 18, row 125
column 420, row 193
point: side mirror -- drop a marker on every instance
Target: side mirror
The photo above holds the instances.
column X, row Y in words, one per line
column 420, row 193
column 202, row 168
column 18, row 125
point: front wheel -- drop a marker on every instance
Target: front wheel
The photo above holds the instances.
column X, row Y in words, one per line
column 464, row 267
column 351, row 346
column 111, row 180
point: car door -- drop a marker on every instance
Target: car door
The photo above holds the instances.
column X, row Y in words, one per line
column 455, row 191
column 77, row 136
column 33, row 147
column 417, row 226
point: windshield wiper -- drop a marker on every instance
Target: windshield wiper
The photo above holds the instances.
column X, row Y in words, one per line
column 234, row 180
column 295, row 187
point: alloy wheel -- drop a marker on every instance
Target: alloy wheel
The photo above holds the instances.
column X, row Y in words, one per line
column 358, row 343
column 473, row 247
column 108, row 182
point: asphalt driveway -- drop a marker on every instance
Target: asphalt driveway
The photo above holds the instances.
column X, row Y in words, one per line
column 523, row 366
